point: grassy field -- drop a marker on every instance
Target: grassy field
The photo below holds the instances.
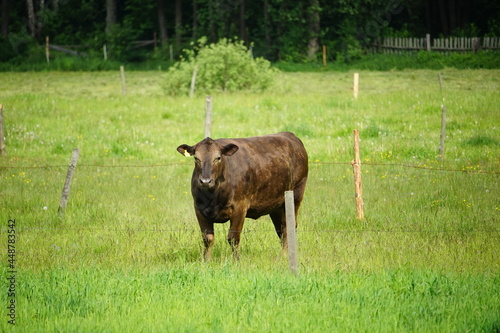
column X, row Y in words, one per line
column 126, row 256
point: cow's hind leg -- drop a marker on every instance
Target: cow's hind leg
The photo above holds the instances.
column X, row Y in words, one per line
column 298, row 195
column 279, row 220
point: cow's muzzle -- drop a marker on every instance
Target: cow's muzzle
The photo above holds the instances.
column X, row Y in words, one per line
column 206, row 182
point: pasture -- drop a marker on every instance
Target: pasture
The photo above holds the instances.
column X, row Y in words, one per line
column 126, row 255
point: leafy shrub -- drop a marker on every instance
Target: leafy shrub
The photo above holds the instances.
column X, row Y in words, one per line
column 225, row 66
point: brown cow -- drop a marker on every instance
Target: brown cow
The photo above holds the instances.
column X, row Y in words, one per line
column 237, row 178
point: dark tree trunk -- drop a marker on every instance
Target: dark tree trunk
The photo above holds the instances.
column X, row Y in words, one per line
column 313, row 19
column 267, row 26
column 178, row 24
column 212, row 16
column 31, row 18
column 464, row 12
column 452, row 14
column 243, row 26
column 428, row 16
column 195, row 20
column 444, row 19
column 5, row 18
column 161, row 22
column 110, row 15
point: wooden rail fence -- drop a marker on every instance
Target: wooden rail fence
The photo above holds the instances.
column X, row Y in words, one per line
column 450, row 44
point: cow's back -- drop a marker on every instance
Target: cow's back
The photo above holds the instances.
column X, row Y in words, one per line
column 263, row 169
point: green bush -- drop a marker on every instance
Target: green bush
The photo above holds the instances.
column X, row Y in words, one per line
column 225, row 66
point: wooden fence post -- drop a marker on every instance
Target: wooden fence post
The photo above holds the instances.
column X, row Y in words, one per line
column 356, row 85
column 324, row 55
column 124, row 85
column 428, row 41
column 2, row 137
column 358, row 188
column 208, row 116
column 291, row 232
column 443, row 132
column 47, row 49
column 69, row 177
column 440, row 81
column 105, row 51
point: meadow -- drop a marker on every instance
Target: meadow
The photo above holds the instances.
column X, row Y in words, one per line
column 126, row 254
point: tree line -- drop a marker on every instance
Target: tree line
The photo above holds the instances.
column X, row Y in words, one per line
column 289, row 30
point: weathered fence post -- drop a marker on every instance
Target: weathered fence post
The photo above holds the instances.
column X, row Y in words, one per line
column 105, row 51
column 47, row 49
column 2, row 137
column 208, row 116
column 443, row 132
column 193, row 82
column 324, row 55
column 124, row 85
column 356, row 85
column 67, row 183
column 428, row 41
column 358, row 188
column 291, row 232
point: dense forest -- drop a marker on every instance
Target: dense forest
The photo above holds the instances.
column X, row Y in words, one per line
column 290, row 30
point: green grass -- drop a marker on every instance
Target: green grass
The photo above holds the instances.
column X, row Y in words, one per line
column 232, row 297
column 127, row 254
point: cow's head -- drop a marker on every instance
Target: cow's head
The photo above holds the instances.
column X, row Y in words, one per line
column 209, row 159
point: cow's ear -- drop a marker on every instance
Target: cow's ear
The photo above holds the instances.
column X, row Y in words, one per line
column 229, row 149
column 185, row 150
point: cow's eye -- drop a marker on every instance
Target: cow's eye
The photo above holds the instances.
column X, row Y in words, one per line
column 217, row 159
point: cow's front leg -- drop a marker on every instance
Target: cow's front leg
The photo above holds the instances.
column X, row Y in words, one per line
column 208, row 240
column 234, row 234
column 207, row 231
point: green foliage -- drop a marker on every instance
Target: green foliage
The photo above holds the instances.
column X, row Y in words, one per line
column 119, row 41
column 428, row 60
column 469, row 30
column 279, row 30
column 387, row 62
column 224, row 66
column 7, row 49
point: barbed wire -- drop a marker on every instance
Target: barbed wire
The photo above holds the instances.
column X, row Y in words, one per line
column 95, row 166
column 418, row 167
column 258, row 230
column 414, row 167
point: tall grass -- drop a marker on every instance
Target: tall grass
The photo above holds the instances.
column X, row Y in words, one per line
column 127, row 253
column 232, row 297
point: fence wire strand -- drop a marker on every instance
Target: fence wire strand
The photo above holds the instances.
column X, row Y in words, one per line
column 410, row 166
column 245, row 231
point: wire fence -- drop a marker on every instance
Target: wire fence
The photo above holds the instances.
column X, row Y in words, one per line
column 464, row 170
column 14, row 205
column 250, row 231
